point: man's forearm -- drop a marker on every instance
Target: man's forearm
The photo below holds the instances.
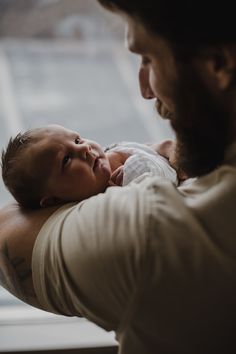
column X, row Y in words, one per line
column 18, row 232
column 16, row 276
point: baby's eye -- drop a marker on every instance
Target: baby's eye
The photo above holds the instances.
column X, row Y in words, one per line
column 77, row 140
column 65, row 160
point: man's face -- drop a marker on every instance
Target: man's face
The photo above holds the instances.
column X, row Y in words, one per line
column 77, row 167
column 200, row 123
column 157, row 73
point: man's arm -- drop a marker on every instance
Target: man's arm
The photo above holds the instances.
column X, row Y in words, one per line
column 18, row 232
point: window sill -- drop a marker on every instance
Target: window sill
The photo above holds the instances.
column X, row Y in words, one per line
column 25, row 329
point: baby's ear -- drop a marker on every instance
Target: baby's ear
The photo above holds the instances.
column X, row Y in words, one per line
column 49, row 201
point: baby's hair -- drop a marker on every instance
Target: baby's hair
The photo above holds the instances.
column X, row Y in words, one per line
column 25, row 186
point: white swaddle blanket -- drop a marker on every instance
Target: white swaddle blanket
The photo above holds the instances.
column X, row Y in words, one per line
column 144, row 159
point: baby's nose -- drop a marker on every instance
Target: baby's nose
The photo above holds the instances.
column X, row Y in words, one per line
column 84, row 150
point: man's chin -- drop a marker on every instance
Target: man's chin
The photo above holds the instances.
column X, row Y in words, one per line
column 162, row 110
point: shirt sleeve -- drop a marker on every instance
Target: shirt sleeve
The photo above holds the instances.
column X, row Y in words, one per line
column 88, row 258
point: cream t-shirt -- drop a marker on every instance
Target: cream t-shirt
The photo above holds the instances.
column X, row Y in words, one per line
column 154, row 263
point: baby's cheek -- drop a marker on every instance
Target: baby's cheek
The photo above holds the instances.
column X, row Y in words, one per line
column 106, row 170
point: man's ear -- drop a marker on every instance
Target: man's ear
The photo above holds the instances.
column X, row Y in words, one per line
column 50, row 201
column 218, row 66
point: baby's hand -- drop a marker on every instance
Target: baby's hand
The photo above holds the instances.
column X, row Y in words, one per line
column 117, row 176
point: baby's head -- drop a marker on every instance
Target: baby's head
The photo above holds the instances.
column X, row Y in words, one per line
column 52, row 165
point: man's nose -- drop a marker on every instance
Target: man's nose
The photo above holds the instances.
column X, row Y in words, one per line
column 144, row 83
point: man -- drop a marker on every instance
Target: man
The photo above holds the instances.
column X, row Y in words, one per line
column 154, row 263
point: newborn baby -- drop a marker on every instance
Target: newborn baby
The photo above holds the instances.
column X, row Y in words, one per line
column 53, row 165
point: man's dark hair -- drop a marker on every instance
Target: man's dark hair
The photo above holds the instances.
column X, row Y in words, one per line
column 203, row 126
column 183, row 22
column 23, row 183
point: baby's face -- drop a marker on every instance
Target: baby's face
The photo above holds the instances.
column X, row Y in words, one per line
column 78, row 168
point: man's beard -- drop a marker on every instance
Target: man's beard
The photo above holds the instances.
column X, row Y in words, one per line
column 201, row 125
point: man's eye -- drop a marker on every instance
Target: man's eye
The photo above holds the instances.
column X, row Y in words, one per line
column 77, row 140
column 65, row 160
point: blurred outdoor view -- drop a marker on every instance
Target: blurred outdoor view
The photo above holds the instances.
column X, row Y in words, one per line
column 64, row 62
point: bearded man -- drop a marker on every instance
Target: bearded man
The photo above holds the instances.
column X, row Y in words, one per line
column 152, row 262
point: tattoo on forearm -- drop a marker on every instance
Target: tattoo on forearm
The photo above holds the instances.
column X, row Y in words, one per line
column 15, row 276
column 24, row 273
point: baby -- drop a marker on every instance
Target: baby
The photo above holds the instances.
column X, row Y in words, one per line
column 52, row 165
